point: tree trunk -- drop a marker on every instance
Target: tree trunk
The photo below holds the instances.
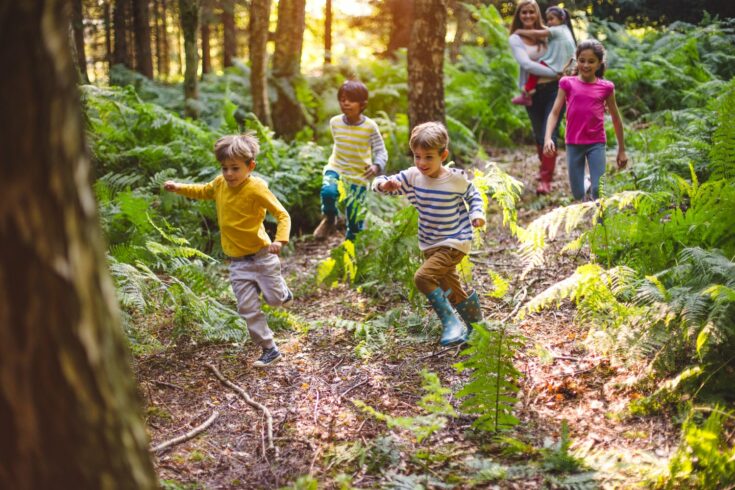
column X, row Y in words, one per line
column 288, row 114
column 121, row 54
column 165, row 70
column 108, row 34
column 462, row 16
column 206, row 12
column 260, row 11
column 142, row 28
column 401, row 18
column 426, row 62
column 229, row 41
column 69, row 412
column 189, row 14
column 157, row 31
column 77, row 25
column 328, row 33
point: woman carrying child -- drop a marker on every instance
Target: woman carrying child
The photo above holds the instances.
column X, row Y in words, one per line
column 528, row 51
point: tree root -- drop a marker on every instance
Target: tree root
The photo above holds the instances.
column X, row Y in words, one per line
column 189, row 435
column 249, row 401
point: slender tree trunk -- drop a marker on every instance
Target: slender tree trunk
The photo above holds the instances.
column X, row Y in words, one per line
column 426, row 62
column 328, row 33
column 288, row 113
column 260, row 11
column 121, row 53
column 229, row 41
column 166, row 54
column 142, row 28
column 158, row 35
column 77, row 23
column 108, row 34
column 70, row 414
column 401, row 18
column 462, row 16
column 206, row 51
column 189, row 13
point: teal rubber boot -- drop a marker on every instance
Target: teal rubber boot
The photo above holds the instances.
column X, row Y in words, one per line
column 454, row 331
column 470, row 311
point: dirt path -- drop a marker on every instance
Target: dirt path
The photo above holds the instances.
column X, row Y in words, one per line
column 319, row 431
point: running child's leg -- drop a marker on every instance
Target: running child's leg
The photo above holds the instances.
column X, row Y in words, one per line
column 243, row 278
column 355, row 210
column 269, row 279
column 576, row 156
column 596, row 160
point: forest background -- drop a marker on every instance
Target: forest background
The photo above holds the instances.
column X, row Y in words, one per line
column 653, row 278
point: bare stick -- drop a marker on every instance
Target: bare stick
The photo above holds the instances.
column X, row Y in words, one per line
column 344, row 394
column 192, row 433
column 249, row 401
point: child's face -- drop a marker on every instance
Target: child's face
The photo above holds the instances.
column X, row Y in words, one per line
column 350, row 108
column 429, row 161
column 553, row 20
column 236, row 171
column 587, row 64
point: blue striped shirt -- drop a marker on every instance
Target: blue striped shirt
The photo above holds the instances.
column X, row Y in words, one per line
column 447, row 205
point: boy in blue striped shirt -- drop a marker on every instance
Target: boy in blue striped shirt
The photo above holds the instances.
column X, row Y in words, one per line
column 449, row 206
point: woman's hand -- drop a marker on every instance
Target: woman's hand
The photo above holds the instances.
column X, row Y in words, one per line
column 275, row 248
column 170, row 185
column 549, row 147
column 622, row 159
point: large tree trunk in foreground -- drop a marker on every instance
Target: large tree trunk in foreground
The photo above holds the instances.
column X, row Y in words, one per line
column 260, row 11
column 288, row 116
column 189, row 14
column 69, row 412
column 426, row 62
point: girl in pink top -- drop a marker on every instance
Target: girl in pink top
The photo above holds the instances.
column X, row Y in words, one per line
column 586, row 95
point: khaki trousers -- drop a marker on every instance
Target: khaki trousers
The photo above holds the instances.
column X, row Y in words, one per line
column 440, row 270
column 260, row 273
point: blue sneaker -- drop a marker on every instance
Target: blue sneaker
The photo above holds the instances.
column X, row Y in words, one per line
column 269, row 357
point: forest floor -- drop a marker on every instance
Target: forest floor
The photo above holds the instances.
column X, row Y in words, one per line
column 318, row 430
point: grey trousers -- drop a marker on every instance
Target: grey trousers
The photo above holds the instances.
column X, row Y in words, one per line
column 258, row 274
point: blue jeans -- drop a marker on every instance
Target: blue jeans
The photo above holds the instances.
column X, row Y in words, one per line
column 538, row 113
column 354, row 202
column 577, row 155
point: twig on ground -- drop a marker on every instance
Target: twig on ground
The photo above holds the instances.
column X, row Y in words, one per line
column 249, row 401
column 437, row 353
column 192, row 433
column 168, row 385
column 344, row 394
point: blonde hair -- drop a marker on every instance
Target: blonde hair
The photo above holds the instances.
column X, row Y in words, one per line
column 429, row 136
column 243, row 146
column 517, row 24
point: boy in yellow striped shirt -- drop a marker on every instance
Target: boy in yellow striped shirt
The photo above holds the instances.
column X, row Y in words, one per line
column 242, row 201
column 358, row 155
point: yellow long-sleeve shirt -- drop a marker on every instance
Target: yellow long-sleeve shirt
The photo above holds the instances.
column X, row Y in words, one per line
column 240, row 213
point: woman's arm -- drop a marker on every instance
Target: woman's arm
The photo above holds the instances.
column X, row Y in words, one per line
column 549, row 146
column 533, row 33
column 612, row 105
column 525, row 62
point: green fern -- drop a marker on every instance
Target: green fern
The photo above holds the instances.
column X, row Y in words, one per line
column 490, row 391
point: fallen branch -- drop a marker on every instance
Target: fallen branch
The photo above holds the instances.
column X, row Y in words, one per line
column 189, row 435
column 249, row 401
column 344, row 394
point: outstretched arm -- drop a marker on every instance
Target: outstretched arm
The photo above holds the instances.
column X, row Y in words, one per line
column 549, row 146
column 193, row 191
column 612, row 105
column 533, row 33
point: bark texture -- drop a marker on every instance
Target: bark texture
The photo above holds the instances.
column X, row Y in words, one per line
column 426, row 62
column 189, row 13
column 288, row 114
column 120, row 14
column 69, row 412
column 401, row 20
column 229, row 42
column 77, row 26
column 142, row 28
column 260, row 11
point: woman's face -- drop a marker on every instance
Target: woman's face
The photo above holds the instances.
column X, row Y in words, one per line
column 528, row 16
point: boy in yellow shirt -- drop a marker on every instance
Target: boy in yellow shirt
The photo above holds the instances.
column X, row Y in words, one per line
column 242, row 201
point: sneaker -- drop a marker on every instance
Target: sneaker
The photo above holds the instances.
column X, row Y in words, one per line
column 522, row 99
column 289, row 299
column 269, row 356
